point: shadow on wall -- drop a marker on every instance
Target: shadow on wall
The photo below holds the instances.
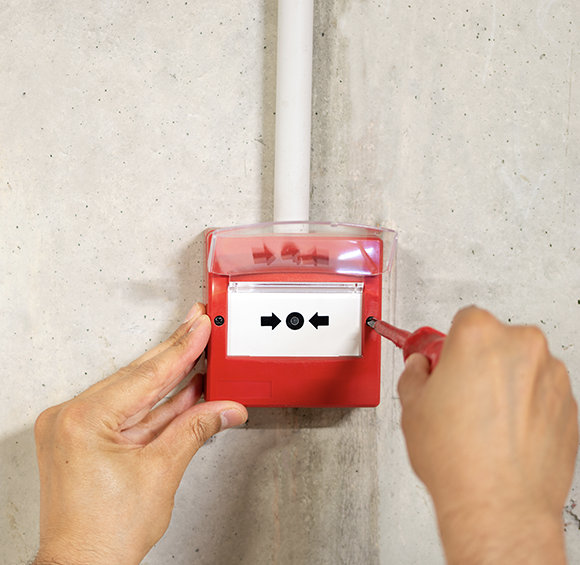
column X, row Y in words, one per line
column 190, row 271
column 296, row 418
column 285, row 494
column 19, row 498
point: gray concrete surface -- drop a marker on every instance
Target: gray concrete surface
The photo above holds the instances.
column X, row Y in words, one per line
column 126, row 128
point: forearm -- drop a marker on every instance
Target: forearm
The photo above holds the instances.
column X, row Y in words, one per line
column 514, row 539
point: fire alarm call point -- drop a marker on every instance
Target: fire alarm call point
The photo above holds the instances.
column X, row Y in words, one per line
column 288, row 303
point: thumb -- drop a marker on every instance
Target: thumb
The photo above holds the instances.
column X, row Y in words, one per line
column 190, row 430
column 413, row 378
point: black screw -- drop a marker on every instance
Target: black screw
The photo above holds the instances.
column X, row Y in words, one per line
column 219, row 320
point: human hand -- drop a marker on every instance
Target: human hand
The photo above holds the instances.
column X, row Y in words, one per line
column 493, row 434
column 110, row 463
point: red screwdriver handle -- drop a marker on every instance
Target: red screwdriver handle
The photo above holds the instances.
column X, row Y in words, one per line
column 426, row 341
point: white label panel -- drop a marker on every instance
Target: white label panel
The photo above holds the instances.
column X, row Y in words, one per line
column 294, row 320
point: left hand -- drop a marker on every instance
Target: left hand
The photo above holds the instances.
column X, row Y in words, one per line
column 110, row 463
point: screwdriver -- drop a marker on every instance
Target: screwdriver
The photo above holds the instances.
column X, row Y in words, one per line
column 425, row 340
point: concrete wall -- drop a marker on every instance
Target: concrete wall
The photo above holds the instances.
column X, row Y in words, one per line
column 126, row 128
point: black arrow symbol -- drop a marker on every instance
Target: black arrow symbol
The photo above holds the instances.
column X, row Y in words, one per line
column 272, row 320
column 317, row 320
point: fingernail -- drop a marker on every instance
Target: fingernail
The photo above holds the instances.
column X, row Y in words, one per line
column 231, row 418
column 198, row 322
column 193, row 313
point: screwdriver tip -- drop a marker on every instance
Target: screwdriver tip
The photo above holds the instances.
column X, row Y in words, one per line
column 371, row 321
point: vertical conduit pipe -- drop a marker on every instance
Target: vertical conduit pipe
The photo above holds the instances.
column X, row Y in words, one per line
column 293, row 110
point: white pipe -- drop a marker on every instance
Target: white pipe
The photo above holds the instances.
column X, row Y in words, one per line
column 293, row 110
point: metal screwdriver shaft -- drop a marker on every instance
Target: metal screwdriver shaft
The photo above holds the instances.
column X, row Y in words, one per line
column 425, row 340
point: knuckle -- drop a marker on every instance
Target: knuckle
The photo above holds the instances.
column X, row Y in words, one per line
column 71, row 420
column 148, row 370
column 202, row 428
column 562, row 371
column 126, row 369
column 562, row 380
column 473, row 324
column 556, row 389
column 174, row 338
column 199, row 433
column 472, row 315
column 181, row 345
column 535, row 338
column 535, row 345
column 44, row 422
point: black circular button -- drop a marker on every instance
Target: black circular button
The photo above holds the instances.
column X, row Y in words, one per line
column 295, row 320
column 219, row 320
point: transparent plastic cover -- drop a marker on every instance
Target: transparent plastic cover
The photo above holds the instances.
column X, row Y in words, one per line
column 313, row 247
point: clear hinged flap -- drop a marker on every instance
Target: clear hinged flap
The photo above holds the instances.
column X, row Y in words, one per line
column 313, row 247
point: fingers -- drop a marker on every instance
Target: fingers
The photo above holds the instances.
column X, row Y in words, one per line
column 189, row 431
column 473, row 326
column 125, row 402
column 196, row 311
column 156, row 421
column 413, row 378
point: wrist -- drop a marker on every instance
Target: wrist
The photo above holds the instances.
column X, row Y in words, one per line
column 71, row 556
column 100, row 547
column 47, row 561
column 516, row 536
column 61, row 560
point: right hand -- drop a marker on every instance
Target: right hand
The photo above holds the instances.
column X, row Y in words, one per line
column 493, row 434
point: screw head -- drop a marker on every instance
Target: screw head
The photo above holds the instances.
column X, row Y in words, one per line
column 219, row 320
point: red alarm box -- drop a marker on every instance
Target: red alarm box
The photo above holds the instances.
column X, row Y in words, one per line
column 288, row 303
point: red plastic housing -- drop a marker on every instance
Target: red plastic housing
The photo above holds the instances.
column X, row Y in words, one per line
column 292, row 381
